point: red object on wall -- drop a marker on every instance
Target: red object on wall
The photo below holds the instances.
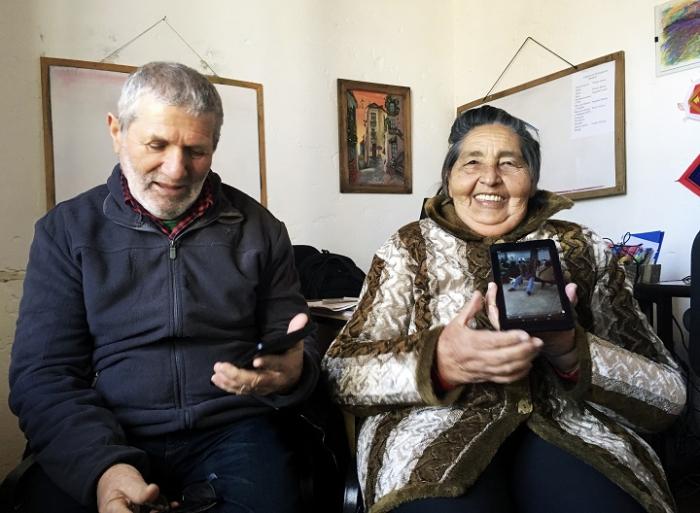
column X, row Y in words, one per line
column 691, row 177
column 694, row 100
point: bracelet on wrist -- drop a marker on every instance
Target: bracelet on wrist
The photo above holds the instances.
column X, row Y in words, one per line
column 570, row 375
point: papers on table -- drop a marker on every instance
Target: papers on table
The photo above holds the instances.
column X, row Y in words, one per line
column 338, row 304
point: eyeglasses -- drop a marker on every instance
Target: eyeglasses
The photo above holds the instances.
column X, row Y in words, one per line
column 196, row 497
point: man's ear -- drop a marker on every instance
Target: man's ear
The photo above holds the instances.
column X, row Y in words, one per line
column 115, row 132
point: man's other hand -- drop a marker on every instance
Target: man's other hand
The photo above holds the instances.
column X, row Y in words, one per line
column 271, row 374
column 121, row 487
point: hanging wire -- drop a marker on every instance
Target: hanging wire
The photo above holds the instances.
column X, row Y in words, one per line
column 135, row 38
column 201, row 59
column 164, row 19
column 528, row 38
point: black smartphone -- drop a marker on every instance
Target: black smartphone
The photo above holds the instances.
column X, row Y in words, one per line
column 276, row 346
column 531, row 292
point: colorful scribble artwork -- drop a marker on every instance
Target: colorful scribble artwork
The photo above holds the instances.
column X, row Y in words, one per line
column 374, row 129
column 677, row 36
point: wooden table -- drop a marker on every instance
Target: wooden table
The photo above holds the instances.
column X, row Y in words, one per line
column 329, row 324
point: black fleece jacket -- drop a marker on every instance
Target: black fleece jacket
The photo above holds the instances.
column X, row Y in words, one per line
column 119, row 327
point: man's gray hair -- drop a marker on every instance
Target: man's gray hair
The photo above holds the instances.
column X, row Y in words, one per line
column 175, row 85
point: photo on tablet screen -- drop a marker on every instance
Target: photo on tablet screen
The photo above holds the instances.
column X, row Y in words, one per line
column 531, row 289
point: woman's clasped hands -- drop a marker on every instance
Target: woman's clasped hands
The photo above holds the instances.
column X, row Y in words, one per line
column 465, row 354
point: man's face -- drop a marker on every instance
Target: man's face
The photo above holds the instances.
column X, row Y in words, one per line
column 165, row 155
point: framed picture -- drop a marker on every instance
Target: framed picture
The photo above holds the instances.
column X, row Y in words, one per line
column 77, row 95
column 582, row 130
column 677, row 36
column 374, row 132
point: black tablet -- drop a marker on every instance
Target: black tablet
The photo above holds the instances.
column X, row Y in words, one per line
column 276, row 346
column 530, row 293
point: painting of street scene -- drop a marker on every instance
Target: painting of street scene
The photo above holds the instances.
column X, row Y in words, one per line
column 375, row 151
column 529, row 289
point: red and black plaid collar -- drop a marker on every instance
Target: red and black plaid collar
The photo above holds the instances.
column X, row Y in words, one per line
column 203, row 202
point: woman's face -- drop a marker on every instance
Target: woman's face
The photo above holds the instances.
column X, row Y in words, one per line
column 490, row 182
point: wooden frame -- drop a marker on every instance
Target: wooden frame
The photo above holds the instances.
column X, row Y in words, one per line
column 377, row 160
column 76, row 96
column 582, row 156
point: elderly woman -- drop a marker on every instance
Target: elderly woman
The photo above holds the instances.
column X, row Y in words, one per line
column 459, row 416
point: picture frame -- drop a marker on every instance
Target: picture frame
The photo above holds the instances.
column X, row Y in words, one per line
column 677, row 38
column 78, row 155
column 374, row 136
column 582, row 130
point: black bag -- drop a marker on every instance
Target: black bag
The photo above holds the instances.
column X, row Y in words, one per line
column 327, row 275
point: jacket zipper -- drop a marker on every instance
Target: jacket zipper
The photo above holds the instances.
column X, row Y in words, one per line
column 177, row 331
column 172, row 256
column 177, row 322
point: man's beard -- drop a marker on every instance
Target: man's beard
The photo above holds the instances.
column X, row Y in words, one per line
column 143, row 190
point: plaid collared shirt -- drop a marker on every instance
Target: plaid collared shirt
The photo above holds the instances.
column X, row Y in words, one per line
column 203, row 202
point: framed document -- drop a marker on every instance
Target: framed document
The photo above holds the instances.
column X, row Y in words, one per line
column 579, row 114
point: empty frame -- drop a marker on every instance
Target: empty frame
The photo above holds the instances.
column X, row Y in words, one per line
column 77, row 95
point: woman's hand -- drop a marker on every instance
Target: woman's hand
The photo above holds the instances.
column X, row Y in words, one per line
column 559, row 346
column 466, row 355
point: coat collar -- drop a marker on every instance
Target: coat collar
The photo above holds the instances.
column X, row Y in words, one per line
column 540, row 207
column 115, row 208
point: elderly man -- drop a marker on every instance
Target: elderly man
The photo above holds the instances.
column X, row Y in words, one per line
column 140, row 298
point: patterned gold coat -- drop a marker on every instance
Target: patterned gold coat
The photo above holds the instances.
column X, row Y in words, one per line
column 415, row 443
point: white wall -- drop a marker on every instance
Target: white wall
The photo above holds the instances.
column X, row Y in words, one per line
column 660, row 143
column 448, row 52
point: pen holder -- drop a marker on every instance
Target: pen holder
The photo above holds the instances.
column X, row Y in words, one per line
column 633, row 272
column 649, row 273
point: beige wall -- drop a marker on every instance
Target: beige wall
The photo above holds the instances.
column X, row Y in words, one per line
column 447, row 51
column 661, row 144
column 661, row 141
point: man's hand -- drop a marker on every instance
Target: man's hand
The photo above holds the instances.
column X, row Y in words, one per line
column 122, row 486
column 466, row 355
column 274, row 373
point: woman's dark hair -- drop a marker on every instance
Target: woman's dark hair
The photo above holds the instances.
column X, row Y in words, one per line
column 488, row 115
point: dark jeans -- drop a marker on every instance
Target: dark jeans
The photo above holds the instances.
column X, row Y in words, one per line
column 529, row 475
column 248, row 464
